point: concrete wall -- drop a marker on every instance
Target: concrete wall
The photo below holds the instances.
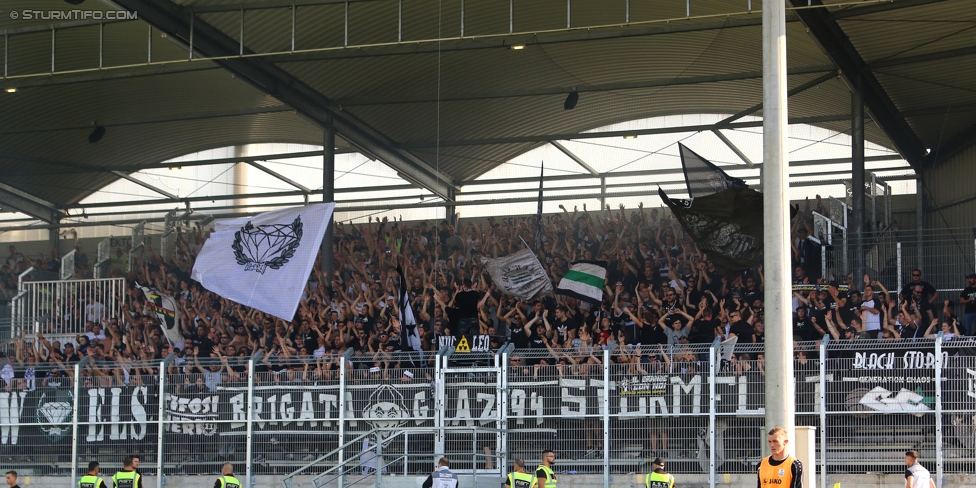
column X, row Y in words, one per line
column 896, row 480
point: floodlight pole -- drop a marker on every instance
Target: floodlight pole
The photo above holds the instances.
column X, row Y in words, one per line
column 328, row 195
column 780, row 396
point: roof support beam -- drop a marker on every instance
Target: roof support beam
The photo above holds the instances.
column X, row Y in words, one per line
column 28, row 204
column 146, row 185
column 733, row 147
column 265, row 76
column 280, row 176
column 617, row 133
column 599, row 87
column 881, row 7
column 835, row 44
column 576, row 158
column 757, row 107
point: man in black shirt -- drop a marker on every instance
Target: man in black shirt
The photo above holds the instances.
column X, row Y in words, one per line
column 968, row 298
column 703, row 329
column 12, row 475
column 836, row 299
column 466, row 305
column 929, row 293
column 852, row 307
column 802, row 325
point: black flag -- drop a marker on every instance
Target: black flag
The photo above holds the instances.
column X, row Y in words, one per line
column 727, row 225
column 703, row 177
column 409, row 335
column 538, row 215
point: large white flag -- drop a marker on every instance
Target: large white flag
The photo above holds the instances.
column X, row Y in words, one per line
column 264, row 261
column 520, row 275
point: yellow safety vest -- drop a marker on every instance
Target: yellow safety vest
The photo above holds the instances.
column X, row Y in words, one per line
column 229, row 482
column 126, row 479
column 550, row 477
column 89, row 481
column 659, row 480
column 520, row 480
column 776, row 476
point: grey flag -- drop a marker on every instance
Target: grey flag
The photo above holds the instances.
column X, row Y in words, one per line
column 520, row 275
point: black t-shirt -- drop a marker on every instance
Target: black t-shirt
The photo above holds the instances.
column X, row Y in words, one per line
column 832, row 304
column 466, row 303
column 804, row 327
column 653, row 334
column 849, row 311
column 703, row 331
column 743, row 330
column 519, row 339
column 927, row 290
column 970, row 292
column 750, row 296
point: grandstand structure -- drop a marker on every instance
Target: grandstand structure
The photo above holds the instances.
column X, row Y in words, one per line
column 128, row 126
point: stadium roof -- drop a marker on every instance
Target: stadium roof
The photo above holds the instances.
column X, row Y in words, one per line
column 403, row 83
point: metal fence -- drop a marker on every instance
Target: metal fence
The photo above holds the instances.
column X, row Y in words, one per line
column 608, row 412
column 945, row 257
column 60, row 308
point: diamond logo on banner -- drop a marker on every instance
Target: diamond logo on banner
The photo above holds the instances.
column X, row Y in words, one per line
column 266, row 246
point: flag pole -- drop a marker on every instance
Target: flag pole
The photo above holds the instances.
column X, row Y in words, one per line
column 780, row 397
column 538, row 214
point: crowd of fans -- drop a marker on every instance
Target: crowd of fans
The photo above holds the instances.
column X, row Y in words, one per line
column 662, row 293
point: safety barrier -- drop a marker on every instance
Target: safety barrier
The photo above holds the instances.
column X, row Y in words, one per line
column 59, row 309
column 605, row 411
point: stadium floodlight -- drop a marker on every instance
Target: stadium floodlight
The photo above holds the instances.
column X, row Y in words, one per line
column 96, row 134
column 571, row 100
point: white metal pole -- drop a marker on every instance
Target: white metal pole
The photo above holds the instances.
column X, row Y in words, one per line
column 161, row 429
column 606, row 418
column 712, row 370
column 779, row 344
column 939, row 438
column 343, row 371
column 822, row 403
column 74, row 427
column 249, row 444
column 898, row 290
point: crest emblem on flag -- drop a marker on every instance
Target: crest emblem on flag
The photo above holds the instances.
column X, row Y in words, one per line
column 386, row 410
column 266, row 246
column 57, row 410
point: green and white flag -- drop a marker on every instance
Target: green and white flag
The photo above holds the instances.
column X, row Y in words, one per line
column 584, row 281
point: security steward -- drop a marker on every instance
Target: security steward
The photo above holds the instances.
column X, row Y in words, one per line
column 659, row 478
column 128, row 477
column 91, row 480
column 519, row 479
column 545, row 477
column 227, row 479
column 780, row 469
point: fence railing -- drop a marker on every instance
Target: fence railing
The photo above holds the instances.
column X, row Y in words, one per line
column 609, row 412
column 61, row 308
column 945, row 257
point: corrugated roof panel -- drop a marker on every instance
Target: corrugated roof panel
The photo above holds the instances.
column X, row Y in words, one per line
column 912, row 31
